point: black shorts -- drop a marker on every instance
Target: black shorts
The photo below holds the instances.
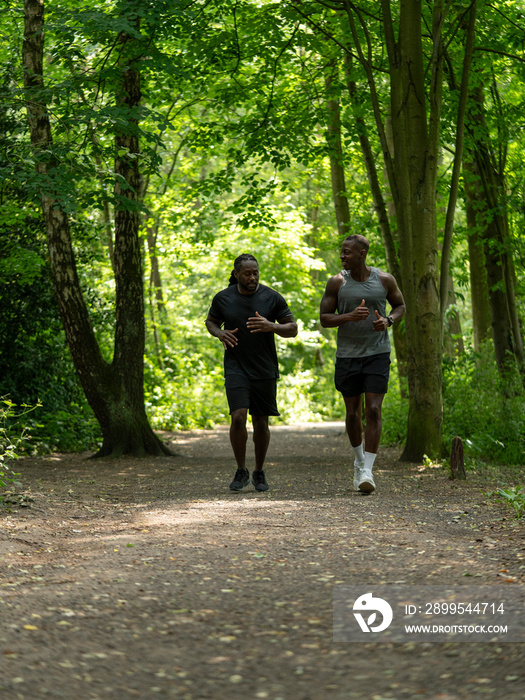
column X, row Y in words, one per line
column 359, row 375
column 257, row 395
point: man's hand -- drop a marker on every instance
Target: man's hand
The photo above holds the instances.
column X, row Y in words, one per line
column 259, row 324
column 380, row 324
column 359, row 313
column 228, row 339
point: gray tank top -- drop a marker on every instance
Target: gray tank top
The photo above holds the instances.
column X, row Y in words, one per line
column 358, row 338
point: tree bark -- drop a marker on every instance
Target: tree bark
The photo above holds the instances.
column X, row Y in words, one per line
column 479, row 293
column 337, row 172
column 416, row 139
column 458, row 157
column 457, row 464
column 488, row 181
column 114, row 391
column 411, row 166
column 453, row 337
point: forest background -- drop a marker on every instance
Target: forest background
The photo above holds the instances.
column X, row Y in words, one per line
column 147, row 144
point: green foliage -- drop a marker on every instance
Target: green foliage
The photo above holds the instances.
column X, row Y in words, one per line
column 514, row 497
column 35, row 366
column 11, row 437
column 309, row 394
column 188, row 393
column 487, row 413
column 69, row 427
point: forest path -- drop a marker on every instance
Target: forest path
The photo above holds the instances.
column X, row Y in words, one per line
column 148, row 578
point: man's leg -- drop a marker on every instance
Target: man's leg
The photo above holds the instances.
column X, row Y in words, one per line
column 239, row 435
column 354, row 429
column 261, row 440
column 374, row 421
column 238, row 439
column 354, row 425
column 374, row 425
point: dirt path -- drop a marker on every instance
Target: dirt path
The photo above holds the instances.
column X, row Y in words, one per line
column 148, row 578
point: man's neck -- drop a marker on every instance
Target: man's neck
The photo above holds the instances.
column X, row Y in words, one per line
column 361, row 274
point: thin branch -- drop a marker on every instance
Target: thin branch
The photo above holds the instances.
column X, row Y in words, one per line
column 508, row 19
column 501, row 53
column 319, row 27
column 502, row 142
column 458, row 156
column 375, row 102
column 274, row 78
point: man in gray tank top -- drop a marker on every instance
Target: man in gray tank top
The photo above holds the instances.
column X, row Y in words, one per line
column 354, row 302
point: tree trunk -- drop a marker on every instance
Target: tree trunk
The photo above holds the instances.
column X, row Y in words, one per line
column 479, row 292
column 492, row 219
column 411, row 163
column 157, row 307
column 337, row 172
column 114, row 391
column 413, row 186
column 458, row 155
column 453, row 336
column 501, row 328
column 457, row 464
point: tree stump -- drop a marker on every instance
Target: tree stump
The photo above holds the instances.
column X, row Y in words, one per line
column 457, row 466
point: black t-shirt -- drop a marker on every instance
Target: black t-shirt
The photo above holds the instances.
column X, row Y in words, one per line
column 255, row 354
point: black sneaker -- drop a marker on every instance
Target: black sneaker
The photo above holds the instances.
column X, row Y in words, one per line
column 241, row 478
column 259, row 481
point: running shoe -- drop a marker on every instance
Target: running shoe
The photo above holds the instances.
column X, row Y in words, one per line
column 367, row 484
column 259, row 481
column 241, row 478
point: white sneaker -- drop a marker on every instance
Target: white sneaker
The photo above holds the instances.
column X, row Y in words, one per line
column 358, row 468
column 366, row 483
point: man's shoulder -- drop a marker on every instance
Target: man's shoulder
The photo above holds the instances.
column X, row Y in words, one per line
column 269, row 292
column 384, row 276
column 226, row 292
column 335, row 282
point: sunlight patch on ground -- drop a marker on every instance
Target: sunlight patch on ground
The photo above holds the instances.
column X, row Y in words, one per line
column 212, row 510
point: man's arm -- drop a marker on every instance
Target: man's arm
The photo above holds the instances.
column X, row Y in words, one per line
column 227, row 338
column 329, row 317
column 394, row 298
column 286, row 327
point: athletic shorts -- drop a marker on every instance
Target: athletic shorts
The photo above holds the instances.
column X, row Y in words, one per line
column 257, row 395
column 360, row 375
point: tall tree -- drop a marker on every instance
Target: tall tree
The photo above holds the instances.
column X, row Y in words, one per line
column 412, row 37
column 498, row 254
column 114, row 389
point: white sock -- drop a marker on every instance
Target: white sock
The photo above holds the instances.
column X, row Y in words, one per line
column 370, row 458
column 359, row 453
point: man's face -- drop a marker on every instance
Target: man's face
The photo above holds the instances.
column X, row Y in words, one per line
column 248, row 277
column 351, row 255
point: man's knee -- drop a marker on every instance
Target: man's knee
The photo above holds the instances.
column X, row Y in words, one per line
column 238, row 418
column 260, row 425
column 373, row 413
column 353, row 408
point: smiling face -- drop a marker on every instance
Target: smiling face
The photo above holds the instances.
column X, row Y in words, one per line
column 248, row 277
column 352, row 255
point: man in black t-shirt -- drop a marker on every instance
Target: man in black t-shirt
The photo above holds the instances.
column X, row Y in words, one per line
column 245, row 317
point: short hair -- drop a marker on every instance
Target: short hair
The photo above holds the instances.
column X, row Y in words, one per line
column 244, row 257
column 360, row 240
